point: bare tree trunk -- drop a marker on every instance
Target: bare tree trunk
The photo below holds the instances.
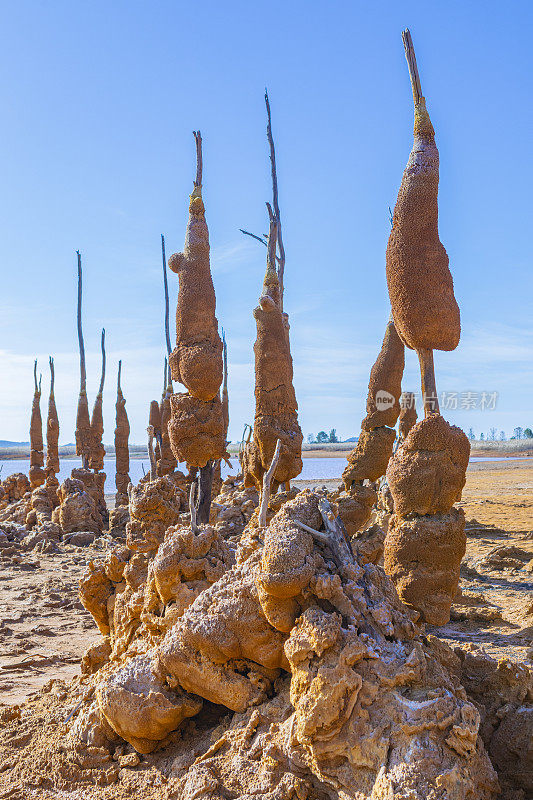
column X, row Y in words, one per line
column 204, row 493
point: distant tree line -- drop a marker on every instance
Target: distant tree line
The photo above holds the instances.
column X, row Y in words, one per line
column 323, row 438
column 493, row 435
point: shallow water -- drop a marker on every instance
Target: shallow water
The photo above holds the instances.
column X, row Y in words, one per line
column 313, row 468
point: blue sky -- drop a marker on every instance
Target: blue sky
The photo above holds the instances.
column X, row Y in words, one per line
column 99, row 100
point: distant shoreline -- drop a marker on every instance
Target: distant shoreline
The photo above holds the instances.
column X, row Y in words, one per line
column 522, row 448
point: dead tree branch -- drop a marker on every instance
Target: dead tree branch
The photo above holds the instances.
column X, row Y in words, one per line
column 199, row 162
column 267, row 479
column 165, row 286
column 83, row 373
column 275, row 200
column 102, row 378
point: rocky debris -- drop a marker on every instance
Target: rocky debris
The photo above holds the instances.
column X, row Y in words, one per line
column 354, row 507
column 425, row 537
column 232, row 509
column 469, row 606
column 13, row 489
column 368, row 545
column 504, row 557
column 154, row 506
column 135, row 703
column 315, row 655
column 94, row 483
column 119, row 516
column 384, row 506
column 43, row 501
column 502, row 692
column 143, row 594
column 77, row 508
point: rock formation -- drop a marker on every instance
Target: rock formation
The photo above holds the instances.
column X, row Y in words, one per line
column 96, row 457
column 420, row 284
column 83, row 421
column 425, row 540
column 329, row 682
column 166, row 463
column 408, row 415
column 122, row 453
column 154, row 421
column 196, row 427
column 13, row 489
column 369, row 459
column 37, row 475
column 276, row 408
column 52, row 433
column 77, row 510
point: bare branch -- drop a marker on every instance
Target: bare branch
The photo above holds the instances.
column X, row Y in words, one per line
column 165, row 286
column 199, row 163
column 254, row 236
column 83, row 373
column 413, row 69
column 429, row 387
column 102, row 379
column 52, row 374
column 118, row 377
column 259, row 239
column 192, row 507
column 318, row 535
column 267, row 479
column 275, row 200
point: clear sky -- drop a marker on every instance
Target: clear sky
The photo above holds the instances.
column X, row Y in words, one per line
column 98, row 103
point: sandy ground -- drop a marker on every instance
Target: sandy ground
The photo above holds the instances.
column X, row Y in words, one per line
column 44, row 630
